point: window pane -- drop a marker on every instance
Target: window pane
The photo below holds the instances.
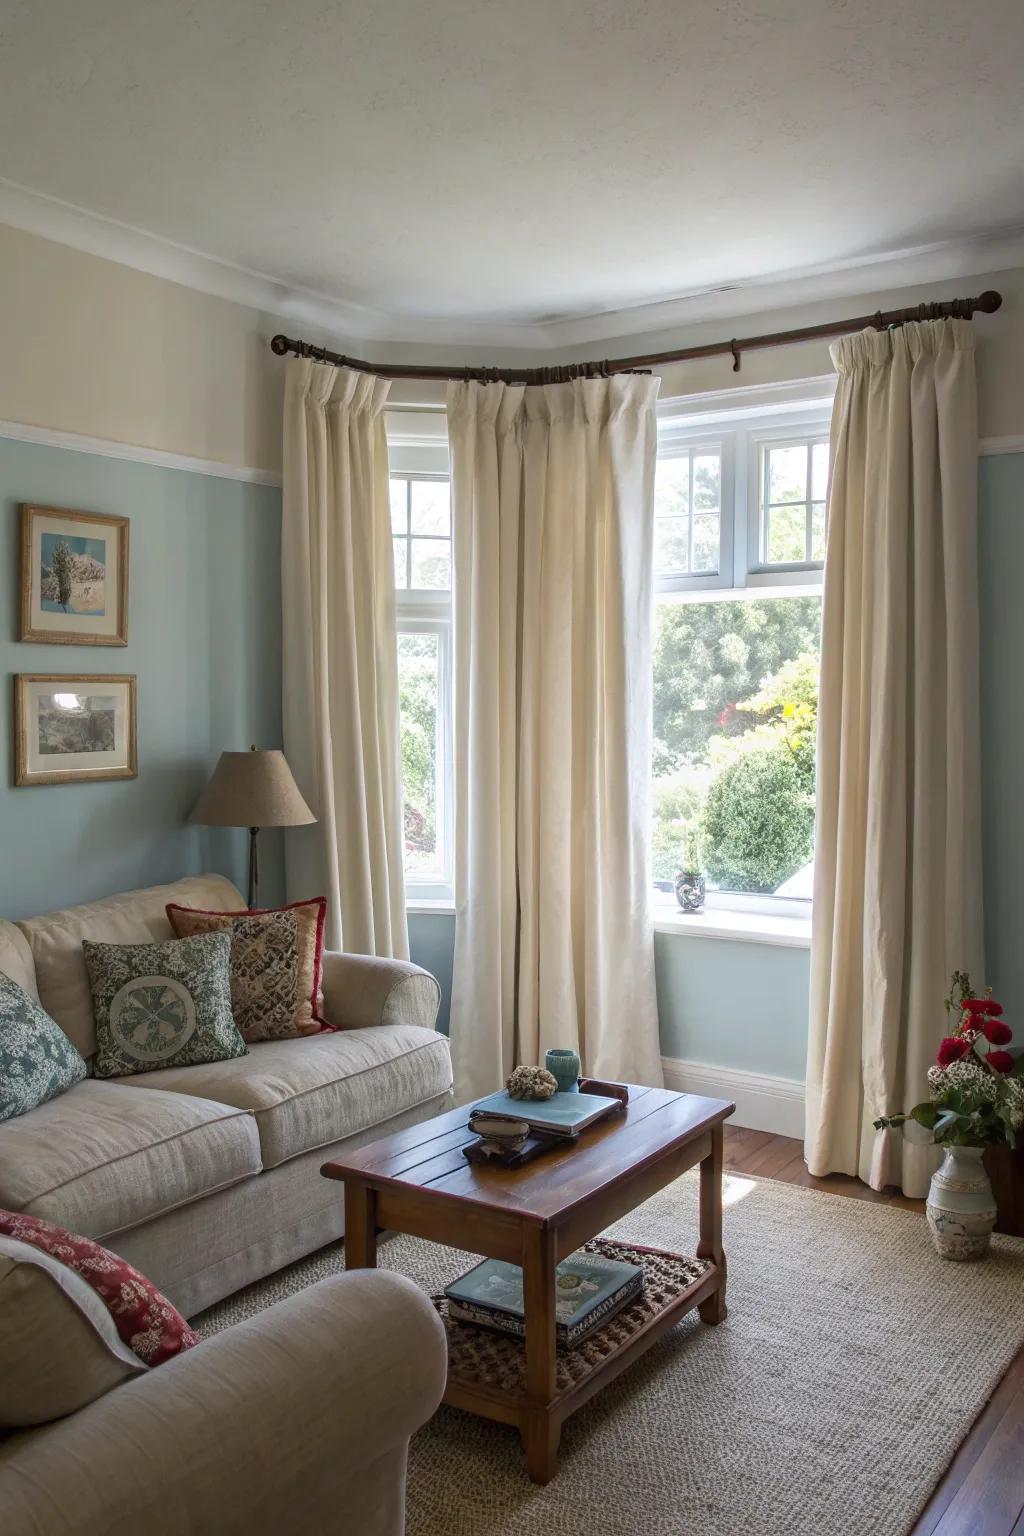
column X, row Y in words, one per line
column 418, row 697
column 819, row 471
column 707, row 482
column 431, row 564
column 672, row 487
column 787, row 534
column 818, row 531
column 398, row 506
column 705, row 541
column 735, row 708
column 400, row 572
column 787, row 474
column 672, row 545
column 431, row 507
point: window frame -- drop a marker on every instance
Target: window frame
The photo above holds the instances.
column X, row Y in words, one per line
column 743, row 433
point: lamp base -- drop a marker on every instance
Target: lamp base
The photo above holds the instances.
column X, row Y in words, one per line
column 254, row 867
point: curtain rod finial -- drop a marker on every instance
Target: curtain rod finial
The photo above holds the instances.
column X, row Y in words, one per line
column 989, row 301
column 279, row 344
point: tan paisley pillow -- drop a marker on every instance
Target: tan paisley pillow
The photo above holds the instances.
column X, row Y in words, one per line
column 275, row 964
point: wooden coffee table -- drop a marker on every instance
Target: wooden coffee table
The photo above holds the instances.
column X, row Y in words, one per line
column 418, row 1181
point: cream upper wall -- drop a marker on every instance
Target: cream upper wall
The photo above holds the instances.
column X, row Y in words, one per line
column 94, row 347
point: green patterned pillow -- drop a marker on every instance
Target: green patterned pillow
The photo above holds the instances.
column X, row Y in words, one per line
column 37, row 1060
column 162, row 1005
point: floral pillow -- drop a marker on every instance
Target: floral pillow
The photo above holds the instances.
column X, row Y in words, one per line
column 162, row 1005
column 37, row 1060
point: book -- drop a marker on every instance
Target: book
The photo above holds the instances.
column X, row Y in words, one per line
column 589, row 1289
column 564, row 1114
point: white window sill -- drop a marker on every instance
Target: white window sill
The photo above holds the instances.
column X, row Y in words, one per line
column 433, row 906
column 746, row 927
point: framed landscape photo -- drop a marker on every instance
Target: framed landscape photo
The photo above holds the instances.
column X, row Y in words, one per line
column 74, row 577
column 70, row 730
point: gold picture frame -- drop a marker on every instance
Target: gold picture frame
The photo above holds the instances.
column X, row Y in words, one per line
column 88, row 720
column 74, row 577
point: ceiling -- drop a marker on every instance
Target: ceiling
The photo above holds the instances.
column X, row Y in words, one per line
column 521, row 161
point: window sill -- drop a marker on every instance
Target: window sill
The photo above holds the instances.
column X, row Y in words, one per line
column 433, row 906
column 745, row 927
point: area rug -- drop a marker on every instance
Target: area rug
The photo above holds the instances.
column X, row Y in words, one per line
column 852, row 1364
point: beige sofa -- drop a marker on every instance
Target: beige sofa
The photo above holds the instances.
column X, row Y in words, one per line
column 207, row 1177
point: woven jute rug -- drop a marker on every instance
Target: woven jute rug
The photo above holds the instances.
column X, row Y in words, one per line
column 852, row 1364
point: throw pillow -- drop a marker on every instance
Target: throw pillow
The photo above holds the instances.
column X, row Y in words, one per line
column 37, row 1060
column 161, row 1005
column 131, row 1325
column 276, row 959
column 58, row 1342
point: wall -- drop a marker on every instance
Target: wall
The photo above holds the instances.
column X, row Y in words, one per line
column 204, row 641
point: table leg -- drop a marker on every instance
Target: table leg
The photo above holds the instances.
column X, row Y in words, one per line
column 539, row 1428
column 360, row 1226
column 710, row 1246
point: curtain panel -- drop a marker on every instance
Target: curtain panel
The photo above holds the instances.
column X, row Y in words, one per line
column 897, row 881
column 341, row 725
column 552, row 490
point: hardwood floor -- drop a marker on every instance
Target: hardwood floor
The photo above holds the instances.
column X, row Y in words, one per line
column 982, row 1491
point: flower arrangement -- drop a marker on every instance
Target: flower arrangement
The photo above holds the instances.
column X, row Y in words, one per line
column 977, row 1085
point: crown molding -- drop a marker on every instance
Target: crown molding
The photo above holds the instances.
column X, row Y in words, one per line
column 108, row 448
column 338, row 321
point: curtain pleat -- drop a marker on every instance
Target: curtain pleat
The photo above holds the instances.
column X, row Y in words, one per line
column 341, row 726
column 897, row 889
column 553, row 531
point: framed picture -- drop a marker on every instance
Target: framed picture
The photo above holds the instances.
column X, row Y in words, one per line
column 72, row 729
column 74, row 577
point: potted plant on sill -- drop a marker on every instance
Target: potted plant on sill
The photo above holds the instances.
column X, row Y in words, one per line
column 976, row 1103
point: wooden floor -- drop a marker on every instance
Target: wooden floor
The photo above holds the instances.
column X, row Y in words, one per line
column 982, row 1492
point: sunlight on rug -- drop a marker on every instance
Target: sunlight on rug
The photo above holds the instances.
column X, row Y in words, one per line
column 852, row 1364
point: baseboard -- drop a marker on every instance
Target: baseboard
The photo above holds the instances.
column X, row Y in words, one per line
column 763, row 1103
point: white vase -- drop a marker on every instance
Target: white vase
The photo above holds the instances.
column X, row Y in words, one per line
column 961, row 1207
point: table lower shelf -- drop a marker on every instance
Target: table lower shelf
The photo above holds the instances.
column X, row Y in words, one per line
column 487, row 1370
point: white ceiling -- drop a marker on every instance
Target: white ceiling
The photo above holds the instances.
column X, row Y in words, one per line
column 519, row 161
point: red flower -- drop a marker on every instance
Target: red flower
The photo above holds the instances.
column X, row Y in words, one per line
column 953, row 1048
column 986, row 1005
column 1000, row 1061
column 996, row 1032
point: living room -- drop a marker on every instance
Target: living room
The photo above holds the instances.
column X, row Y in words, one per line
column 509, row 798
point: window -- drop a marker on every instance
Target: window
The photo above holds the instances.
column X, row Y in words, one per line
column 421, row 536
column 739, row 545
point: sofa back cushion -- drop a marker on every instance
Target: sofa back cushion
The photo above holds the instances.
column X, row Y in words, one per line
column 134, row 917
column 16, row 958
column 58, row 1342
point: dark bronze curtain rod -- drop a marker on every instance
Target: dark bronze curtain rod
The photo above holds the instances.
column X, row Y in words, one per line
column 987, row 303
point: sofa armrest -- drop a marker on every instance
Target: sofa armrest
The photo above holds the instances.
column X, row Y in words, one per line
column 297, row 1420
column 361, row 991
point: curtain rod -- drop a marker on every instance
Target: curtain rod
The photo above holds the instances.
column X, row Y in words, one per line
column 987, row 303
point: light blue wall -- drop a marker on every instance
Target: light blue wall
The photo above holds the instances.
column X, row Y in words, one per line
column 204, row 639
column 432, row 945
column 741, row 1005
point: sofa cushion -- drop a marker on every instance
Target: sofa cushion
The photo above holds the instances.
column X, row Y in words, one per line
column 106, row 1156
column 16, row 958
column 135, row 917
column 37, row 1060
column 311, row 1092
column 59, row 1346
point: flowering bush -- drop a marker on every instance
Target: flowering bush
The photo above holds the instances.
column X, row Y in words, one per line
column 977, row 1088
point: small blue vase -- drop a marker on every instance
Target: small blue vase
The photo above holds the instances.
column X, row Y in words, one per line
column 564, row 1067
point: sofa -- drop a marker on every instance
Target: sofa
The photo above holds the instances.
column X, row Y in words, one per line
column 207, row 1177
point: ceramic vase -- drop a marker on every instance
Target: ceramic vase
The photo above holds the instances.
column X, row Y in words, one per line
column 961, row 1207
column 564, row 1067
column 690, row 890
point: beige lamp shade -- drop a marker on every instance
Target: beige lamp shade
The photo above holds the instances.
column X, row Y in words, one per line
column 252, row 789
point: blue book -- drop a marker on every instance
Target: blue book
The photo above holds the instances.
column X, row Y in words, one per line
column 589, row 1289
column 564, row 1113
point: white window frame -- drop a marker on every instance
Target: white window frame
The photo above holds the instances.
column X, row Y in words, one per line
column 428, row 611
column 743, row 425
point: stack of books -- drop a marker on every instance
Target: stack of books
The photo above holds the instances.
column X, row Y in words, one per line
column 589, row 1289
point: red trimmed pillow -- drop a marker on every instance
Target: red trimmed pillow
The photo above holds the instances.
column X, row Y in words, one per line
column 145, row 1320
column 276, row 961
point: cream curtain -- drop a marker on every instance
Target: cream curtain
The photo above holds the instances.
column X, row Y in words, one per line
column 553, row 528
column 341, row 733
column 897, row 883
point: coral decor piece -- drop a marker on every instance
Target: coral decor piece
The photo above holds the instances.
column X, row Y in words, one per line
column 531, row 1083
column 977, row 1101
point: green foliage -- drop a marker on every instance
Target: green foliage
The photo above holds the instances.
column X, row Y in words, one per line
column 678, row 801
column 758, row 821
column 63, row 571
column 417, row 682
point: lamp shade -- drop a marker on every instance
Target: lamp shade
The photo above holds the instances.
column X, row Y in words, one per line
column 252, row 789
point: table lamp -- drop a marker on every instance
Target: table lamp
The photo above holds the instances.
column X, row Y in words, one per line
column 252, row 789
